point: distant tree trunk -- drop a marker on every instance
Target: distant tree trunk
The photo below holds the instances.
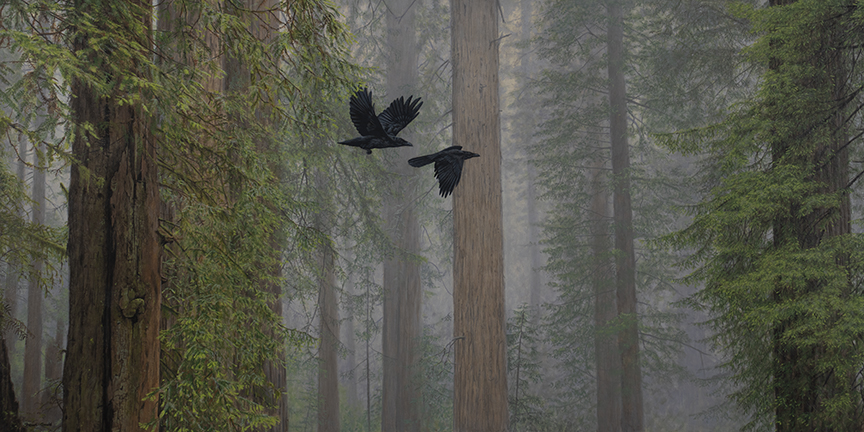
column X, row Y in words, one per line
column 480, row 374
column 350, row 345
column 13, row 268
column 536, row 279
column 33, row 344
column 608, row 360
column 51, row 412
column 401, row 326
column 9, row 420
column 112, row 358
column 328, row 324
column 625, row 262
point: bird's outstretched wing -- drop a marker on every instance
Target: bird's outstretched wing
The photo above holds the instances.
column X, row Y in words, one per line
column 448, row 171
column 363, row 114
column 399, row 114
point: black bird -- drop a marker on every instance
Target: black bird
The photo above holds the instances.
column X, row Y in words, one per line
column 380, row 131
column 448, row 166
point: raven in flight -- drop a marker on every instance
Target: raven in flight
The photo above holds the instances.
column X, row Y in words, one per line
column 380, row 131
column 448, row 166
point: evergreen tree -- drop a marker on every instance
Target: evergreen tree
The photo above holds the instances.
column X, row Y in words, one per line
column 772, row 238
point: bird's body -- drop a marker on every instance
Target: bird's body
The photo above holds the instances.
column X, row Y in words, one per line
column 448, row 166
column 379, row 131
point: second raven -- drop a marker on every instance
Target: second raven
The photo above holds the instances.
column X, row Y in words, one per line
column 379, row 131
column 448, row 166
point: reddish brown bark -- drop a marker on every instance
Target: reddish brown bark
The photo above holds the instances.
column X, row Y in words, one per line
column 328, row 333
column 112, row 359
column 480, row 374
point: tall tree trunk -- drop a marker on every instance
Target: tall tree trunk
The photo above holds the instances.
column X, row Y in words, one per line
column 50, row 405
column 625, row 263
column 9, row 420
column 350, row 342
column 480, row 375
column 401, row 326
column 328, row 324
column 112, row 357
column 33, row 344
column 528, row 118
column 13, row 268
column 606, row 354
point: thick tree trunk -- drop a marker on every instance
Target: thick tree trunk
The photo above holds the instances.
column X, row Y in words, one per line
column 625, row 262
column 606, row 354
column 401, row 326
column 480, row 375
column 33, row 344
column 9, row 420
column 112, row 357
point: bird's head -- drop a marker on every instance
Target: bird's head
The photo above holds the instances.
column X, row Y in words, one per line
column 469, row 155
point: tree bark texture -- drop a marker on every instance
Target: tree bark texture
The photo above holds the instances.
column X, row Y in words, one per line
column 401, row 283
column 625, row 262
column 328, row 324
column 33, row 344
column 480, row 369
column 606, row 354
column 112, row 357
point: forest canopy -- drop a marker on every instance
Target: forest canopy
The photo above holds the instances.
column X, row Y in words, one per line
column 643, row 215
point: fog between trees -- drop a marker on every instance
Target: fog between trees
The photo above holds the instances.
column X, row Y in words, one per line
column 660, row 232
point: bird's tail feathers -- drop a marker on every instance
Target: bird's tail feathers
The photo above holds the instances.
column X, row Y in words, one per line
column 420, row 161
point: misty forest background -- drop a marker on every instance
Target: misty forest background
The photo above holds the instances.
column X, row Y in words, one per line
column 662, row 231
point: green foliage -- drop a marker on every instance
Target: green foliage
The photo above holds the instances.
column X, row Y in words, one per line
column 232, row 205
column 528, row 409
column 780, row 284
column 664, row 64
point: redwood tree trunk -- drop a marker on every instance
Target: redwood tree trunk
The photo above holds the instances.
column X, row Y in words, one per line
column 112, row 358
column 625, row 263
column 480, row 371
column 401, row 326
column 33, row 344
column 328, row 324
column 608, row 361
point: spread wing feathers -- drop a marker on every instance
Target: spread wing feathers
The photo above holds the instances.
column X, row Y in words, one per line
column 363, row 114
column 399, row 114
column 448, row 171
